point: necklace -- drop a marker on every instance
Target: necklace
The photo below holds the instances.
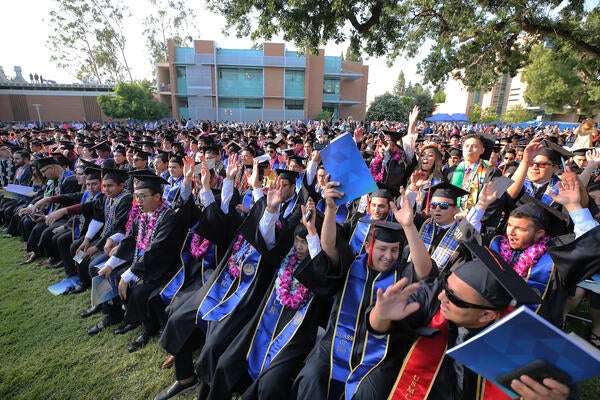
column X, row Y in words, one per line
column 233, row 263
column 377, row 169
column 528, row 259
column 199, row 249
column 290, row 292
column 144, row 235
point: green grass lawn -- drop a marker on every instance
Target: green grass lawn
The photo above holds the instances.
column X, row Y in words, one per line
column 45, row 352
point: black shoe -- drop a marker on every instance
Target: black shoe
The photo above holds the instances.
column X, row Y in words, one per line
column 91, row 311
column 175, row 389
column 139, row 342
column 99, row 327
column 78, row 289
column 124, row 329
column 56, row 265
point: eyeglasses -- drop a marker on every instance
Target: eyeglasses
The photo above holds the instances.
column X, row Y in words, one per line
column 442, row 205
column 141, row 196
column 138, row 159
column 509, row 158
column 460, row 303
column 541, row 164
column 270, row 151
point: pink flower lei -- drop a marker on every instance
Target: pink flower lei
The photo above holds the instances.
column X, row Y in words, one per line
column 377, row 167
column 199, row 249
column 134, row 212
column 232, row 263
column 144, row 235
column 290, row 292
column 530, row 256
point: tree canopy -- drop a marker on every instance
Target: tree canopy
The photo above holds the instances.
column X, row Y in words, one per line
column 557, row 78
column 474, row 41
column 132, row 100
column 516, row 114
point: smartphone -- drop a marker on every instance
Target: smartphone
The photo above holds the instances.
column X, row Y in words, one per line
column 537, row 370
column 308, row 215
column 381, row 137
column 319, row 146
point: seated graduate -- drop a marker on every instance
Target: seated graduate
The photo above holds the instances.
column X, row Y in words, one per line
column 347, row 359
column 445, row 312
column 438, row 229
column 148, row 249
column 217, row 312
column 269, row 351
column 524, row 245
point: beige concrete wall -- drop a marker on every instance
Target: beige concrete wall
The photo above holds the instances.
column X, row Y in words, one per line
column 273, row 81
column 354, row 90
column 204, row 46
column 274, row 49
column 60, row 108
column 273, row 104
column 313, row 84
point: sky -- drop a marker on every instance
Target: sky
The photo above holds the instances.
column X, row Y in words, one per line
column 25, row 28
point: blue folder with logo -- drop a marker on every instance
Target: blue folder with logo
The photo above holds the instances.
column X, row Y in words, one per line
column 343, row 161
column 520, row 338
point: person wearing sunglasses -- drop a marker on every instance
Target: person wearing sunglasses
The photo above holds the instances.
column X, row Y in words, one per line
column 445, row 312
column 437, row 226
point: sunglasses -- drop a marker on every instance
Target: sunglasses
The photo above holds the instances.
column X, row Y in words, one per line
column 541, row 164
column 460, row 303
column 443, row 205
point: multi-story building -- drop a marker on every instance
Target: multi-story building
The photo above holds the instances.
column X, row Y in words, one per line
column 269, row 84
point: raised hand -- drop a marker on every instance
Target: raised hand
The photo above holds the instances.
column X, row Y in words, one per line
column 486, row 196
column 392, row 304
column 413, row 116
column 205, row 176
column 359, row 135
column 532, row 150
column 311, row 223
column 188, row 168
column 232, row 167
column 405, row 215
column 569, row 194
column 593, row 156
column 254, row 179
column 330, row 193
column 275, row 195
column 418, row 179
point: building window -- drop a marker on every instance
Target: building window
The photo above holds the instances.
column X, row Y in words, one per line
column 294, row 104
column 182, row 102
column 180, row 72
column 229, row 102
column 331, row 86
column 241, row 82
column 294, row 83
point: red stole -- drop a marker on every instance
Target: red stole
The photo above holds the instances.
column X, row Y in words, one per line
column 423, row 362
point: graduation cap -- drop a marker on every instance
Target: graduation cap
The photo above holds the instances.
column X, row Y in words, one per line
column 46, row 161
column 233, row 146
column 287, row 174
column 455, row 152
column 298, row 159
column 554, row 222
column 213, row 149
column 270, row 145
column 581, row 151
column 490, row 275
column 395, row 135
column 385, row 231
column 382, row 194
column 142, row 154
column 289, row 153
column 102, row 146
column 177, row 160
column 447, row 190
column 118, row 175
column 554, row 152
column 150, row 181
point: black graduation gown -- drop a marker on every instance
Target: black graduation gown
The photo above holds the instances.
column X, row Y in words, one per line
column 323, row 278
column 121, row 216
column 220, row 334
column 157, row 265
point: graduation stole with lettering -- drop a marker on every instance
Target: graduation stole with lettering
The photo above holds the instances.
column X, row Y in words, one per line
column 217, row 304
column 473, row 184
column 551, row 188
column 266, row 345
column 344, row 336
column 423, row 362
column 447, row 246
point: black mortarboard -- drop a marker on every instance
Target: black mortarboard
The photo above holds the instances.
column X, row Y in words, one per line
column 455, row 152
column 177, row 160
column 490, row 275
column 582, row 151
column 554, row 222
column 118, row 175
column 447, row 190
column 287, row 174
column 395, row 135
column 136, row 173
column 382, row 194
column 102, row 146
column 234, row 146
column 386, row 231
column 153, row 182
column 298, row 159
column 271, row 145
column 289, row 152
column 44, row 162
column 554, row 152
column 92, row 173
column 142, row 154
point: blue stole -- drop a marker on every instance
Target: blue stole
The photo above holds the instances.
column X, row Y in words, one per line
column 551, row 188
column 247, row 201
column 290, row 206
column 215, row 306
column 299, row 182
column 20, row 174
column 539, row 276
column 357, row 240
column 344, row 336
column 341, row 213
column 447, row 246
column 265, row 345
column 165, row 175
column 172, row 189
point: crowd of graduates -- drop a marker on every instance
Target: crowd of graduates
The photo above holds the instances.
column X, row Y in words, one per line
column 229, row 241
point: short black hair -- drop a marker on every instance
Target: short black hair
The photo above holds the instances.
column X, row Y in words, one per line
column 301, row 231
